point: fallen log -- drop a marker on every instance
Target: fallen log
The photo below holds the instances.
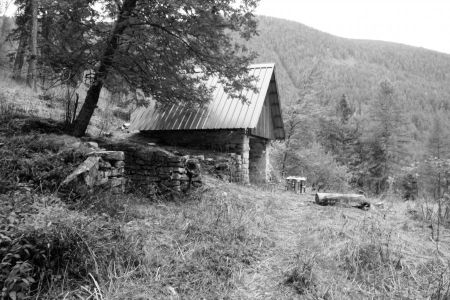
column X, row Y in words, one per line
column 347, row 200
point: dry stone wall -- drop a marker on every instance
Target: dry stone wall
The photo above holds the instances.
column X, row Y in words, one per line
column 227, row 167
column 101, row 169
column 148, row 166
column 250, row 152
column 232, row 143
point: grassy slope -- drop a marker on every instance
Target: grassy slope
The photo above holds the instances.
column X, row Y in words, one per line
column 17, row 97
column 224, row 240
column 338, row 253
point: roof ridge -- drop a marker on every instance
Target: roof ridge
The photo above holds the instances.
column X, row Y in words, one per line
column 262, row 65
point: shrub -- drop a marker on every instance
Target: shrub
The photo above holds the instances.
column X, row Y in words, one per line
column 49, row 248
column 322, row 170
column 37, row 160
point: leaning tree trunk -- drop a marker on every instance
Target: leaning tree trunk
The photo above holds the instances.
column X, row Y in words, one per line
column 20, row 54
column 91, row 100
column 31, row 75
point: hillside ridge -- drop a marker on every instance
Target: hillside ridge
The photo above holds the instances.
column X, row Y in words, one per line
column 355, row 68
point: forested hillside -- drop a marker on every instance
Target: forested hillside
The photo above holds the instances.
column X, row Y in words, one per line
column 355, row 68
column 331, row 88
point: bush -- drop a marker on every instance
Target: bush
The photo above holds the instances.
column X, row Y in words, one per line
column 39, row 161
column 47, row 248
column 322, row 170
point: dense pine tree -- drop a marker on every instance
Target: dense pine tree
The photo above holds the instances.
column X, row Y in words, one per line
column 388, row 137
column 436, row 165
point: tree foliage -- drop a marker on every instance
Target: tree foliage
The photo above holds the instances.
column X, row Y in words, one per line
column 435, row 168
column 388, row 137
column 166, row 49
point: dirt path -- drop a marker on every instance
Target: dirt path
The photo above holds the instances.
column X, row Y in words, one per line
column 287, row 222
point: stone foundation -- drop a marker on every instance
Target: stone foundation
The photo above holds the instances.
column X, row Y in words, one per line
column 251, row 154
column 101, row 169
column 153, row 166
column 227, row 167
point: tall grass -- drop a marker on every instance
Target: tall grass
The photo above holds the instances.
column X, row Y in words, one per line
column 367, row 256
column 193, row 249
column 196, row 247
column 52, row 103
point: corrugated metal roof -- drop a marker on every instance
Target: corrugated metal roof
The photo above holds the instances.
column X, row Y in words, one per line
column 223, row 112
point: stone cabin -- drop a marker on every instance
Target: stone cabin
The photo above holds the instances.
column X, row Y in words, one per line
column 224, row 124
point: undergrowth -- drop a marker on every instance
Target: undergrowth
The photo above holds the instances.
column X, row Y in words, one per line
column 194, row 248
column 48, row 251
column 39, row 162
column 376, row 262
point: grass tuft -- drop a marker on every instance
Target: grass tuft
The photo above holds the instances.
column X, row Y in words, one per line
column 302, row 277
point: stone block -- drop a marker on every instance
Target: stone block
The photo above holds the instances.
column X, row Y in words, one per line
column 114, row 155
column 104, row 164
column 109, row 155
column 92, row 145
column 90, row 170
column 106, row 173
column 164, row 172
column 119, row 164
column 102, row 181
column 179, row 170
column 181, row 177
column 117, row 172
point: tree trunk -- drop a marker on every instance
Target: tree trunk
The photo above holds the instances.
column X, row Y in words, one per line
column 349, row 200
column 285, row 154
column 18, row 61
column 31, row 75
column 91, row 100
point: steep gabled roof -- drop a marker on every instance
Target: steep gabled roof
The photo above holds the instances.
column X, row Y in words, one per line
column 223, row 112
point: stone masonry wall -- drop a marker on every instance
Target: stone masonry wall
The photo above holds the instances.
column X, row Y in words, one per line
column 234, row 142
column 101, row 169
column 227, row 166
column 253, row 157
column 147, row 165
